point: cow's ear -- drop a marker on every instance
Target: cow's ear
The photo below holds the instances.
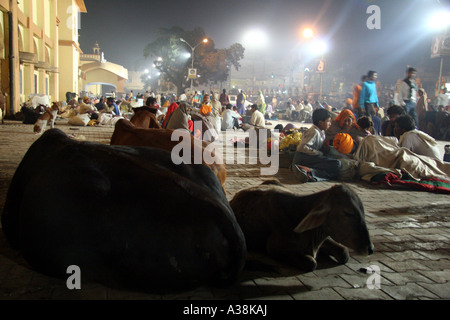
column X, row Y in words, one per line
column 315, row 218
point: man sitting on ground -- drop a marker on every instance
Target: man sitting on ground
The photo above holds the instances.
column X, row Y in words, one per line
column 415, row 140
column 257, row 120
column 312, row 160
column 230, row 119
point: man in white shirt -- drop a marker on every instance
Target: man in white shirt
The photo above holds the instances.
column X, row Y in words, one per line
column 306, row 112
column 183, row 97
column 415, row 140
column 442, row 99
column 289, row 109
column 257, row 120
column 230, row 119
column 406, row 95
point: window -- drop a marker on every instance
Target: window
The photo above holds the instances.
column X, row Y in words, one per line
column 36, row 83
column 46, row 85
column 21, row 79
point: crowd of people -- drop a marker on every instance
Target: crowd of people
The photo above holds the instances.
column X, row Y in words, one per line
column 336, row 134
column 411, row 122
column 336, row 131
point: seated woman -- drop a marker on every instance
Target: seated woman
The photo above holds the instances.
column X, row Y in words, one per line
column 179, row 119
column 345, row 122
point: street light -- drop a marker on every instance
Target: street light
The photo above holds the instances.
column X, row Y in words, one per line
column 193, row 52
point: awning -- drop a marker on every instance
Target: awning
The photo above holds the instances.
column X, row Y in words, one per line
column 46, row 66
column 28, row 57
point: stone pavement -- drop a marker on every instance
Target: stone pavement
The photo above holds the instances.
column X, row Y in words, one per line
column 408, row 228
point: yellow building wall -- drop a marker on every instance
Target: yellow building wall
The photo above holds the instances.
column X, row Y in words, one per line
column 37, row 34
column 49, row 30
column 69, row 50
column 10, row 62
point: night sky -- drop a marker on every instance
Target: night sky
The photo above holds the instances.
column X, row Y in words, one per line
column 124, row 27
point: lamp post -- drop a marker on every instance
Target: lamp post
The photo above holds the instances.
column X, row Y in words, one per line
column 193, row 51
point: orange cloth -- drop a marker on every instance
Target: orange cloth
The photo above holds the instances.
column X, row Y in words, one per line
column 349, row 101
column 344, row 114
column 205, row 109
column 356, row 93
column 343, row 143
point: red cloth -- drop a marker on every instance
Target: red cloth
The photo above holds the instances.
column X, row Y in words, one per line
column 430, row 185
column 171, row 109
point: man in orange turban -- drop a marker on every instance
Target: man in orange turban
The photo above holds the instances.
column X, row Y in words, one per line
column 343, row 143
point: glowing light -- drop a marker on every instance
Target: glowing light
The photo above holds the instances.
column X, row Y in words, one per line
column 308, row 33
column 439, row 20
column 255, row 38
column 319, row 47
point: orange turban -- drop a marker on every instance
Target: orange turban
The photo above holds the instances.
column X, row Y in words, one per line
column 349, row 101
column 205, row 109
column 343, row 143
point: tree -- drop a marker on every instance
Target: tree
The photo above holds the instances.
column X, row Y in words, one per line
column 172, row 57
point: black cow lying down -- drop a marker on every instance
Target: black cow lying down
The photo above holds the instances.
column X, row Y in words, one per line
column 292, row 228
column 127, row 216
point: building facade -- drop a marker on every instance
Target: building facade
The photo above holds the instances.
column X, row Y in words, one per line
column 40, row 52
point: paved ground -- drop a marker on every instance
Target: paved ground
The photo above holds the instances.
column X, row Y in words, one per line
column 408, row 228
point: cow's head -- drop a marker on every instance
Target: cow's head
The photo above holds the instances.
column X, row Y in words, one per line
column 340, row 213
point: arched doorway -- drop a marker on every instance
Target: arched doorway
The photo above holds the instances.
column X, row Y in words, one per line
column 101, row 78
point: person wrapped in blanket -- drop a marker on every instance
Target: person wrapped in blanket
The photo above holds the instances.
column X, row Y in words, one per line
column 180, row 118
column 312, row 160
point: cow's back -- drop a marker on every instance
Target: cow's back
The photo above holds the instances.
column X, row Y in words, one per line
column 145, row 117
column 126, row 216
